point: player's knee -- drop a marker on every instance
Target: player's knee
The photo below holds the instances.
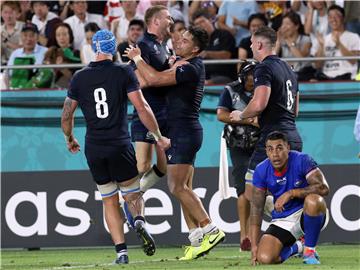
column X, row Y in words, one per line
column 314, row 204
column 265, row 258
column 176, row 189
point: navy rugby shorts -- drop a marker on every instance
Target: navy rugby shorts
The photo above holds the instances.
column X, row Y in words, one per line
column 185, row 143
column 111, row 162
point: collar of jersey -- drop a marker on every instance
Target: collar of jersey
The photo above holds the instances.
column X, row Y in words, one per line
column 282, row 173
column 103, row 62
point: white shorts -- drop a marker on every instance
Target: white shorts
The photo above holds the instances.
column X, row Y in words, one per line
column 292, row 223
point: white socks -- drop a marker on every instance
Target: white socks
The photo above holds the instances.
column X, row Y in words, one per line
column 196, row 237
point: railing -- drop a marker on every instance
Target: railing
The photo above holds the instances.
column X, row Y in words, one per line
column 207, row 62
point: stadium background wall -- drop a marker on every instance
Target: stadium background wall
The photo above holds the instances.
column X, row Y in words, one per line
column 49, row 200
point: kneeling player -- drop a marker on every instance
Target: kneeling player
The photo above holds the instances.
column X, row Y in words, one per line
column 298, row 187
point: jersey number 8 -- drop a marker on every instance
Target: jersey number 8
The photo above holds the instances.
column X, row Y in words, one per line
column 102, row 109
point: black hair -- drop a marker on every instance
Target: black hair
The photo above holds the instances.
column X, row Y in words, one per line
column 268, row 33
column 258, row 16
column 295, row 19
column 91, row 27
column 200, row 37
column 342, row 11
column 71, row 35
column 246, row 68
column 201, row 13
column 276, row 135
column 137, row 22
column 172, row 26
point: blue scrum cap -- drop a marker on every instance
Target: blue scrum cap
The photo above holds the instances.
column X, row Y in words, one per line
column 104, row 42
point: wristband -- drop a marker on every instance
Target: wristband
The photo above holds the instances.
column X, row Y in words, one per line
column 137, row 58
column 67, row 138
column 156, row 134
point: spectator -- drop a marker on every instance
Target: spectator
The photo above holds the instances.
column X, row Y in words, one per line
column 29, row 53
column 176, row 30
column 273, row 11
column 41, row 17
column 233, row 17
column 352, row 16
column 255, row 21
column 136, row 29
column 316, row 22
column 300, row 7
column 87, row 54
column 62, row 75
column 80, row 18
column 26, row 12
column 64, row 39
column 120, row 26
column 339, row 42
column 45, row 76
column 221, row 46
column 209, row 7
column 113, row 10
column 10, row 29
column 293, row 43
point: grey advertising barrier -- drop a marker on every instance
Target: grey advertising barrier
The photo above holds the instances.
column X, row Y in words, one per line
column 63, row 209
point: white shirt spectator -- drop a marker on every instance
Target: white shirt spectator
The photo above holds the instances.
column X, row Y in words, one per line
column 335, row 68
column 120, row 26
column 38, row 54
column 87, row 54
column 320, row 26
column 77, row 27
column 41, row 24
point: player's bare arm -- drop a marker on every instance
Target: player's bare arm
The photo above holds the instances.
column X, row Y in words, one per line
column 223, row 115
column 256, row 215
column 67, row 124
column 147, row 117
column 256, row 105
column 317, row 185
column 151, row 76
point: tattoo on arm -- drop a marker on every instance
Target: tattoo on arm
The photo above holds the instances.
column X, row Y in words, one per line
column 257, row 206
column 67, row 117
column 67, row 114
column 317, row 185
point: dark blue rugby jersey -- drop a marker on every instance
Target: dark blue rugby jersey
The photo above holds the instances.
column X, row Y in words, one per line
column 185, row 97
column 156, row 55
column 294, row 176
column 101, row 90
column 280, row 111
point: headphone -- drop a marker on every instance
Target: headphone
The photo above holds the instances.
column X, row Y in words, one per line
column 246, row 68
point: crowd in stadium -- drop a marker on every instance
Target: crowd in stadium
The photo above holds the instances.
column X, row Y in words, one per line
column 59, row 32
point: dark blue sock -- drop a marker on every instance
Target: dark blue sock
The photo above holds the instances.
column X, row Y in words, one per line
column 312, row 227
column 286, row 252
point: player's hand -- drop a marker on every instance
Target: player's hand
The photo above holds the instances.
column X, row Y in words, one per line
column 255, row 122
column 164, row 143
column 132, row 51
column 281, row 201
column 72, row 145
column 254, row 249
column 235, row 116
column 180, row 63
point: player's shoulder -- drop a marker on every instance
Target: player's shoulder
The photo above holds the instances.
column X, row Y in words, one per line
column 263, row 166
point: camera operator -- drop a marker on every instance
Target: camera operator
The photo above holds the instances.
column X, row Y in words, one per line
column 241, row 137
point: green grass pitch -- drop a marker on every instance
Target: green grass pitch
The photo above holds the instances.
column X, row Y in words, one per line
column 222, row 257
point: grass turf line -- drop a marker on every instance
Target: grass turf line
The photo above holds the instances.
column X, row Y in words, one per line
column 332, row 257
